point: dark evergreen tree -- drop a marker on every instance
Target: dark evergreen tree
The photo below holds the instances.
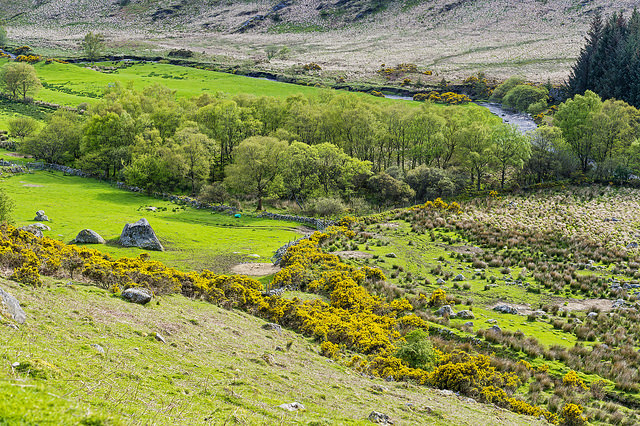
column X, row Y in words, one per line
column 609, row 63
column 581, row 72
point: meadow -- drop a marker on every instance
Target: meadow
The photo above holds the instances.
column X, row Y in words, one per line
column 73, row 84
column 193, row 239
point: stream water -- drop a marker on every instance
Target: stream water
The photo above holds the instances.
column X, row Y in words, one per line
column 522, row 121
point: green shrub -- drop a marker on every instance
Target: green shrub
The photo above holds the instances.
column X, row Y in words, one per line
column 418, row 351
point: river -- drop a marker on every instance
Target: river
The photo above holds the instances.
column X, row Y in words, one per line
column 522, row 121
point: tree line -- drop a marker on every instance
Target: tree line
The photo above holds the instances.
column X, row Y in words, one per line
column 609, row 62
column 331, row 146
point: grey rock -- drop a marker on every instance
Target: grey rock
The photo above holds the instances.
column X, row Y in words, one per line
column 151, row 209
column 292, row 406
column 459, row 277
column 465, row 314
column 446, row 309
column 87, row 236
column 468, row 324
column 33, row 229
column 97, row 347
column 138, row 295
column 440, row 281
column 539, row 313
column 495, row 329
column 592, row 314
column 257, row 256
column 140, row 234
column 632, row 245
column 506, row 309
column 273, row 326
column 159, row 338
column 492, row 321
column 380, row 418
column 41, row 226
column 391, row 255
column 10, row 308
column 379, row 388
column 41, row 217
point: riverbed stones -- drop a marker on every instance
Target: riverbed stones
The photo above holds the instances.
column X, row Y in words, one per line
column 88, row 236
column 140, row 234
column 10, row 308
column 138, row 295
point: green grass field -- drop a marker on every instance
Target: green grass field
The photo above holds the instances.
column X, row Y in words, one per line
column 193, row 239
column 69, row 84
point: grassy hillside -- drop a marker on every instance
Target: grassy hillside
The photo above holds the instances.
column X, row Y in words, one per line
column 538, row 39
column 87, row 357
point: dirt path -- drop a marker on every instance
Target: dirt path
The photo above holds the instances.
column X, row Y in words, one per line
column 255, row 269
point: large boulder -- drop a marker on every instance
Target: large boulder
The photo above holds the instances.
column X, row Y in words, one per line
column 87, row 236
column 33, row 229
column 140, row 234
column 465, row 314
column 137, row 295
column 41, row 217
column 445, row 310
column 506, row 309
column 10, row 308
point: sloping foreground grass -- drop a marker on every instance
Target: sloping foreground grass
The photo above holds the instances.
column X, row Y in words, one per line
column 193, row 239
column 217, row 367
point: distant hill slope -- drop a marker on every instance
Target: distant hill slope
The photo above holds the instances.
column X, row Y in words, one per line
column 537, row 38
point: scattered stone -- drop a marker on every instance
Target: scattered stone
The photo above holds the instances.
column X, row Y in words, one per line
column 539, row 313
column 137, row 295
column 159, row 338
column 632, row 245
column 445, row 310
column 465, row 314
column 33, row 229
column 151, row 209
column 496, row 329
column 440, row 281
column 592, row 314
column 257, row 256
column 268, row 358
column 380, row 418
column 10, row 308
column 97, row 347
column 292, row 406
column 273, row 327
column 41, row 217
column 391, row 255
column 446, row 392
column 41, row 226
column 468, row 324
column 87, row 236
column 506, row 309
column 379, row 388
column 140, row 234
column 492, row 321
column 459, row 277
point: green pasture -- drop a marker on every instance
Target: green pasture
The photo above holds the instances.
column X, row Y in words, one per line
column 72, row 84
column 193, row 239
